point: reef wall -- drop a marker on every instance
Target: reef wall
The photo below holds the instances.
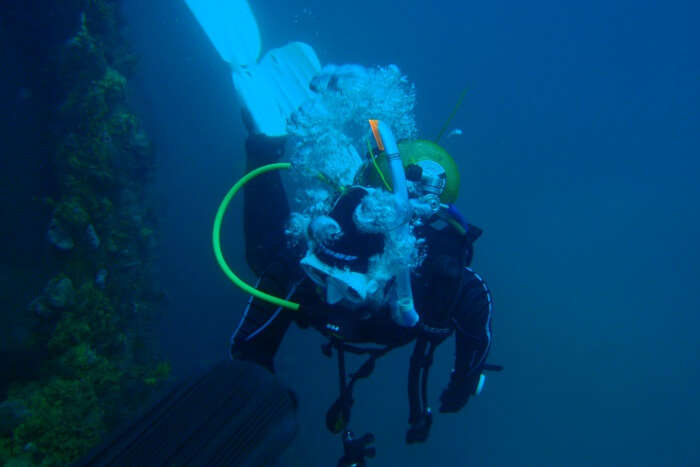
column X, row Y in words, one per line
column 80, row 299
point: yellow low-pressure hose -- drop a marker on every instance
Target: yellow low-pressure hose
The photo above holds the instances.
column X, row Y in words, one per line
column 216, row 237
column 452, row 115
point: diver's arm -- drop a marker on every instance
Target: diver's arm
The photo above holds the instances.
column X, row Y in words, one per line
column 263, row 325
column 265, row 204
column 472, row 321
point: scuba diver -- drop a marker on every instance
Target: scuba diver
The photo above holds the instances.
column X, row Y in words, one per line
column 330, row 276
column 370, row 251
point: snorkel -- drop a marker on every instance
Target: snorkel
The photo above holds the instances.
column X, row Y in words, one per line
column 403, row 311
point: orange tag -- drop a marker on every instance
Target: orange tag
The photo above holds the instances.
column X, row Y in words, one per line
column 375, row 131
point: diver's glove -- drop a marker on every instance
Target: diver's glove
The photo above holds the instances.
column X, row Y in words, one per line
column 458, row 391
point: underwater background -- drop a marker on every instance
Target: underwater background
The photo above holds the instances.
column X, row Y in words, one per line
column 579, row 158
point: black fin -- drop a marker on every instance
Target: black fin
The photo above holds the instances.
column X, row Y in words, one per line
column 234, row 414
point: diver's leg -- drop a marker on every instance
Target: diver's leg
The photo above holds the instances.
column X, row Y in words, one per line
column 258, row 342
column 263, row 325
column 265, row 206
column 260, row 334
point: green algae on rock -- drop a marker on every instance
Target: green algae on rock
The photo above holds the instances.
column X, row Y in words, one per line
column 91, row 320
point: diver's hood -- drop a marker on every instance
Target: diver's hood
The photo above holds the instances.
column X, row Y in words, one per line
column 349, row 247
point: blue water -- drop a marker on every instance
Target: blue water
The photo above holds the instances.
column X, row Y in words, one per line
column 579, row 160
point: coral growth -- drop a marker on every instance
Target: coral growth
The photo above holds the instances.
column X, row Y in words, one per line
column 93, row 316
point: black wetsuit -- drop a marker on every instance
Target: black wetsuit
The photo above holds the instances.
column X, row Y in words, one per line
column 448, row 296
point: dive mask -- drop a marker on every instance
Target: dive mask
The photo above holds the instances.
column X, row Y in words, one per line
column 339, row 284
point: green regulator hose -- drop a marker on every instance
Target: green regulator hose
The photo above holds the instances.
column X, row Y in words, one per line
column 216, row 237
